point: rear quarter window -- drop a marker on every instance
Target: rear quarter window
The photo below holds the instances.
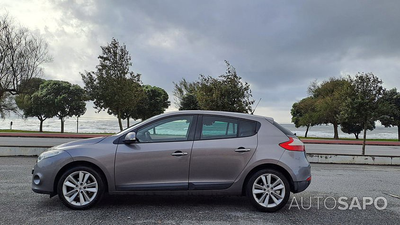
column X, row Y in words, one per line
column 247, row 128
column 284, row 130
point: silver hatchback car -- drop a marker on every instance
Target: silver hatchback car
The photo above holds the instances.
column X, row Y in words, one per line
column 185, row 151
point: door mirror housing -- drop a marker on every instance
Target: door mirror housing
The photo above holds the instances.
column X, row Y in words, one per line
column 130, row 138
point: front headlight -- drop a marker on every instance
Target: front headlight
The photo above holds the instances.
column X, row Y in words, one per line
column 48, row 154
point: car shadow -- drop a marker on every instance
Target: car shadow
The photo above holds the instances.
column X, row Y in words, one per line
column 174, row 201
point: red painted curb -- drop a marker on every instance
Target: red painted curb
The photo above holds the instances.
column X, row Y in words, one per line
column 349, row 142
column 51, row 135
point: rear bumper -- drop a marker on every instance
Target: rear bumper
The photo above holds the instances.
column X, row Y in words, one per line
column 300, row 186
column 296, row 163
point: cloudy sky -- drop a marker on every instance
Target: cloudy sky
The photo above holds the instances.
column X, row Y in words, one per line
column 279, row 47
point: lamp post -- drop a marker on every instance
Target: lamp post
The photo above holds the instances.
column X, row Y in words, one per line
column 77, row 124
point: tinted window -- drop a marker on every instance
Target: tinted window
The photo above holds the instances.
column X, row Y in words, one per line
column 215, row 127
column 170, row 129
column 218, row 127
column 247, row 128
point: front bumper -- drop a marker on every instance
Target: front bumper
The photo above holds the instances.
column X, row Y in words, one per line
column 44, row 174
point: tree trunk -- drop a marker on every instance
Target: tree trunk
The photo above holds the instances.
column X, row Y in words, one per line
column 355, row 134
column 398, row 132
column 308, row 127
column 41, row 126
column 127, row 122
column 120, row 121
column 365, row 138
column 335, row 131
column 62, row 124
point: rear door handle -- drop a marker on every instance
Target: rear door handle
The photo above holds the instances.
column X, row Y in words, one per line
column 179, row 153
column 242, row 149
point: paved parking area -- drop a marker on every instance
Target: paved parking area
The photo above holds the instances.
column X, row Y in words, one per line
column 332, row 186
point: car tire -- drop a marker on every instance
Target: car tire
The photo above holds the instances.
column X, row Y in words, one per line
column 80, row 187
column 268, row 190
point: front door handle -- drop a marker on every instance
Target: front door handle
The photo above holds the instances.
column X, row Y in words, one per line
column 242, row 149
column 179, row 153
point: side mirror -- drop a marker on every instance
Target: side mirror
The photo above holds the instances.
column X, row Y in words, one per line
column 130, row 138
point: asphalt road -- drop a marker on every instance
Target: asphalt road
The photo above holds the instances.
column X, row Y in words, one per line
column 19, row 205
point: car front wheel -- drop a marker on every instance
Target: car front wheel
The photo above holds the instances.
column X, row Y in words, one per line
column 268, row 190
column 80, row 187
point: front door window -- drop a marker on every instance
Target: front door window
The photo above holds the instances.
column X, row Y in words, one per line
column 166, row 130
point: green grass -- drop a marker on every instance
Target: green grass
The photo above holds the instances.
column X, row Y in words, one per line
column 21, row 131
column 346, row 139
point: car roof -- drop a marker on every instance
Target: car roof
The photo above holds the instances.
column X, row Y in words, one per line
column 221, row 113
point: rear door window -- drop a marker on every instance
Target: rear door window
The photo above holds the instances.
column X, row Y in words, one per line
column 217, row 127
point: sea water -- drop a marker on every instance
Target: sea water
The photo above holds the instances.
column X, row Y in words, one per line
column 110, row 125
column 71, row 125
column 326, row 131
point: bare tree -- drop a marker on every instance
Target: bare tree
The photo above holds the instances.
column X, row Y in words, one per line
column 21, row 55
column 7, row 105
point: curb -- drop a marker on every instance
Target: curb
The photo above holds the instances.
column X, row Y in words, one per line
column 354, row 159
column 350, row 142
column 6, row 151
column 312, row 157
column 21, row 151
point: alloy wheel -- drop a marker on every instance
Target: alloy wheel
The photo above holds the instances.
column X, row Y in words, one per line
column 268, row 190
column 80, row 188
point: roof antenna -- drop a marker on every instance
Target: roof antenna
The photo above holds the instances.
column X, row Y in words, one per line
column 256, row 107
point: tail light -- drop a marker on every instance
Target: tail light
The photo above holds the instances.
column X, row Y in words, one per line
column 293, row 144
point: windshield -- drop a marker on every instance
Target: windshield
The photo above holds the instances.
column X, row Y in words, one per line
column 124, row 130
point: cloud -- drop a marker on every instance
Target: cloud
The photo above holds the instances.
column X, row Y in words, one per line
column 279, row 47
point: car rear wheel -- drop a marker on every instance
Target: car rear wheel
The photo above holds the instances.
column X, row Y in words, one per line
column 80, row 187
column 268, row 190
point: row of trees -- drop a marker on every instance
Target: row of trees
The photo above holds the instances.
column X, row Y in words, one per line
column 112, row 86
column 353, row 103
